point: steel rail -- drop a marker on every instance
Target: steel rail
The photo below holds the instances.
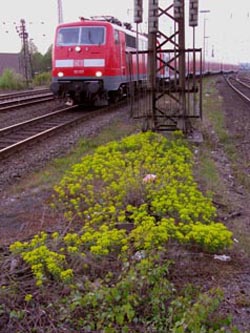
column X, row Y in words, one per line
column 23, row 93
column 6, row 106
column 12, row 147
column 238, row 91
column 29, row 138
column 241, row 81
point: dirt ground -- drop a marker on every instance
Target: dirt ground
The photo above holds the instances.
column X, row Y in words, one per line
column 25, row 213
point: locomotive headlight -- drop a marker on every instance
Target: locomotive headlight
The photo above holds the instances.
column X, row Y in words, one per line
column 60, row 74
column 98, row 74
column 77, row 49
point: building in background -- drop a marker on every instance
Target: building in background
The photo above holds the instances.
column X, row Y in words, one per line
column 10, row 61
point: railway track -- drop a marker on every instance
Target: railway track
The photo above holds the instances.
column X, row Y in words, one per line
column 19, row 136
column 240, row 86
column 22, row 93
column 24, row 98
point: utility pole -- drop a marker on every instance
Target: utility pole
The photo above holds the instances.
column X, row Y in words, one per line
column 25, row 55
column 204, row 37
column 179, row 14
column 60, row 11
column 152, row 55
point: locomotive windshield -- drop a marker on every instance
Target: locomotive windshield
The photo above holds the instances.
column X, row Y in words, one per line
column 81, row 36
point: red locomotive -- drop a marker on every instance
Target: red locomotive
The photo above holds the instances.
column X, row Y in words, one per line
column 90, row 60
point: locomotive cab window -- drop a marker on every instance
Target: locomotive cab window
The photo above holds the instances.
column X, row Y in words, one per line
column 68, row 36
column 81, row 35
column 92, row 35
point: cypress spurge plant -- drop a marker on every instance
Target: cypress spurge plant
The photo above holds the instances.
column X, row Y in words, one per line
column 108, row 189
column 144, row 181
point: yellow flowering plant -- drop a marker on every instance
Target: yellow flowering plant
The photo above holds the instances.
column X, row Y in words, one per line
column 110, row 188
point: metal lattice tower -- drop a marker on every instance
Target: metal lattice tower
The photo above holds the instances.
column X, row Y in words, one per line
column 174, row 72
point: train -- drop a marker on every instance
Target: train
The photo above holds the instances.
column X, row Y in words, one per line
column 94, row 61
column 90, row 60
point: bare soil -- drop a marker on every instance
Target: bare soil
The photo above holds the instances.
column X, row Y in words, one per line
column 27, row 212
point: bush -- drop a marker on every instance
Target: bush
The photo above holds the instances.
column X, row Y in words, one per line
column 11, row 80
column 42, row 79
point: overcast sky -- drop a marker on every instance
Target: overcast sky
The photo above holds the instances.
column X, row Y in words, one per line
column 227, row 25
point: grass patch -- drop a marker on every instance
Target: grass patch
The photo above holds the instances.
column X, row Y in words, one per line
column 212, row 105
column 209, row 175
column 208, row 172
column 215, row 133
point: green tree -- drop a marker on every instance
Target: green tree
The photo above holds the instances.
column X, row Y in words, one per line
column 40, row 63
column 47, row 59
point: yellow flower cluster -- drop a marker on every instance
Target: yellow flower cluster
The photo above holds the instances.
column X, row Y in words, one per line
column 42, row 260
column 211, row 237
column 101, row 241
column 107, row 189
